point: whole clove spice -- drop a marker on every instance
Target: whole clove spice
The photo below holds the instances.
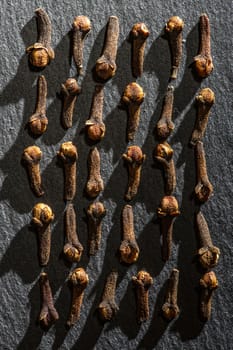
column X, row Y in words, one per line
column 170, row 309
column 203, row 188
column 42, row 216
column 41, row 53
column 133, row 97
column 134, row 159
column 165, row 126
column 48, row 313
column 164, row 155
column 208, row 283
column 108, row 307
column 142, row 282
column 69, row 91
column 139, row 34
column 106, row 65
column 31, row 160
column 73, row 248
column 174, row 29
column 80, row 28
column 69, row 155
column 95, row 126
column 167, row 212
column 204, row 100
column 203, row 62
column 129, row 250
column 95, row 183
column 95, row 213
column 79, row 280
column 208, row 254
column 38, row 121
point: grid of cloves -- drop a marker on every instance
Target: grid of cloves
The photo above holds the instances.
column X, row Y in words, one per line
column 40, row 55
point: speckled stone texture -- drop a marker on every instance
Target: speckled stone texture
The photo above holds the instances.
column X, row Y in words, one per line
column 19, row 269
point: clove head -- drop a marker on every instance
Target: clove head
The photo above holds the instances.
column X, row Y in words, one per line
column 79, row 278
column 39, row 55
column 163, row 150
column 133, row 94
column 31, row 155
column 143, row 278
column 140, row 31
column 203, row 65
column 168, row 207
column 38, row 123
column 174, row 24
column 42, row 215
column 70, row 87
column 68, row 152
column 73, row 253
column 209, row 281
column 208, row 256
column 205, row 97
column 129, row 251
column 82, row 23
column 134, row 156
column 170, row 311
column 96, row 210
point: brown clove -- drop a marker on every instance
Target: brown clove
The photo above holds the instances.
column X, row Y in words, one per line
column 208, row 254
column 170, row 309
column 208, row 284
column 79, row 280
column 69, row 91
column 48, row 313
column 164, row 155
column 167, row 213
column 134, row 158
column 203, row 62
column 38, row 121
column 42, row 216
column 205, row 100
column 129, row 250
column 80, row 28
column 165, row 126
column 174, row 29
column 106, row 64
column 31, row 160
column 133, row 97
column 69, row 155
column 95, row 213
column 142, row 282
column 73, row 248
column 41, row 53
column 108, row 307
column 95, row 126
column 204, row 188
column 95, row 183
column 139, row 34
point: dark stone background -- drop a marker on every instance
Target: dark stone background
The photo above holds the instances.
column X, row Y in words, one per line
column 20, row 299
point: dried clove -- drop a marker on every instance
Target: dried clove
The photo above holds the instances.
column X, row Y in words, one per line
column 208, row 254
column 170, row 309
column 108, row 307
column 42, row 216
column 73, row 248
column 48, row 313
column 208, row 284
column 95, row 183
column 163, row 154
column 106, row 64
column 167, row 213
column 205, row 100
column 129, row 250
column 31, row 159
column 204, row 188
column 134, row 158
column 203, row 62
column 142, row 282
column 38, row 121
column 139, row 34
column 41, row 53
column 165, row 126
column 133, row 97
column 95, row 212
column 95, row 125
column 79, row 280
column 69, row 91
column 80, row 28
column 174, row 29
column 69, row 155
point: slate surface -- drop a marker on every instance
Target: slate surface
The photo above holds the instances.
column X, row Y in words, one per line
column 20, row 302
